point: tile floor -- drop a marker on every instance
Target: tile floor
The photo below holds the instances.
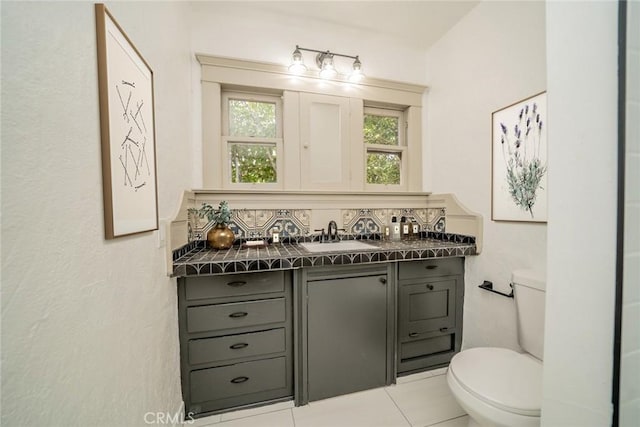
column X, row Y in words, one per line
column 418, row 400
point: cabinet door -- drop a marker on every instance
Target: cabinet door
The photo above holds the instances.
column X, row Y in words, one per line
column 428, row 306
column 346, row 329
column 324, row 136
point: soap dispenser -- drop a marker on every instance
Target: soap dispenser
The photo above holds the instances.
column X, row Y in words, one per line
column 395, row 228
column 405, row 228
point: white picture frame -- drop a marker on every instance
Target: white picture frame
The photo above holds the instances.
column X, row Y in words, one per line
column 519, row 161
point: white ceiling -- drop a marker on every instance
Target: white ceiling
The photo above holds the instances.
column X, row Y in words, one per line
column 417, row 24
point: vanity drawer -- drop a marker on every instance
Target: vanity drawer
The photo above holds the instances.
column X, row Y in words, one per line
column 238, row 379
column 426, row 347
column 209, row 350
column 234, row 285
column 430, row 268
column 426, row 307
column 235, row 315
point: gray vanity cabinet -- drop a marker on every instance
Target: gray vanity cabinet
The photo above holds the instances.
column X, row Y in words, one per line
column 236, row 340
column 347, row 331
column 429, row 312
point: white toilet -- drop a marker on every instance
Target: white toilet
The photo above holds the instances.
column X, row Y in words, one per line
column 499, row 387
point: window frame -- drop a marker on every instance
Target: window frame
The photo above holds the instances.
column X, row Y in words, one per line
column 401, row 149
column 227, row 139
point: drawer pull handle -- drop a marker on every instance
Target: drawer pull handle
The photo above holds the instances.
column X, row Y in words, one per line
column 413, row 334
column 430, row 287
column 239, row 380
column 238, row 314
column 431, row 267
column 239, row 346
column 237, row 283
column 443, row 329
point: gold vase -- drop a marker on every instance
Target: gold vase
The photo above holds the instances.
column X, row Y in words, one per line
column 220, row 237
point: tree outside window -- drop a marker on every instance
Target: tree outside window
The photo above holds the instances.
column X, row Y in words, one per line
column 253, row 138
column 382, row 131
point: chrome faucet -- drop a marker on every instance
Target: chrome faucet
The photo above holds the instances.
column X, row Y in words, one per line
column 332, row 231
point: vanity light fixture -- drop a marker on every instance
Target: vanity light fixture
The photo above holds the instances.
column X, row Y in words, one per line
column 324, row 61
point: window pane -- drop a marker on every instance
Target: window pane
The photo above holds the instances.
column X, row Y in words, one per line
column 253, row 162
column 383, row 168
column 381, row 129
column 252, row 118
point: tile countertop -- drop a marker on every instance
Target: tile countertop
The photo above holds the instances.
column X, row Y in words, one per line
column 197, row 259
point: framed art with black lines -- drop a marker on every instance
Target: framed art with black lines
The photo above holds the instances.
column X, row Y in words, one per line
column 127, row 128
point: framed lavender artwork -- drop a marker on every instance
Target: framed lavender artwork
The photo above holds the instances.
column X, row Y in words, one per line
column 519, row 161
column 127, row 131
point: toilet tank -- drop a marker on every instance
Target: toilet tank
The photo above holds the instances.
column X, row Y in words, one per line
column 529, row 292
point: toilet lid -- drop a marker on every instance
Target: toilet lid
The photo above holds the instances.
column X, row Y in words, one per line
column 501, row 377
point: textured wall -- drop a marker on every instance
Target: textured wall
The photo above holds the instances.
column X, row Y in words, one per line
column 89, row 327
column 581, row 248
column 492, row 58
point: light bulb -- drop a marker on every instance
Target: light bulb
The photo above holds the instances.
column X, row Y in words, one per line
column 328, row 71
column 356, row 74
column 297, row 66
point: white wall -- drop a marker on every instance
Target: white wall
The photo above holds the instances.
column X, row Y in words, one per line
column 250, row 30
column 582, row 85
column 89, row 327
column 494, row 57
column 630, row 357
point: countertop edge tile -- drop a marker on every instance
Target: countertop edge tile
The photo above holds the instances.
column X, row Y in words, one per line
column 196, row 259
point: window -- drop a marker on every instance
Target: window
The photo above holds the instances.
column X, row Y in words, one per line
column 252, row 138
column 385, row 147
column 252, row 112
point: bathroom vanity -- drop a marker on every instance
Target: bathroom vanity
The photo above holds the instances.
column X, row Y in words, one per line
column 307, row 326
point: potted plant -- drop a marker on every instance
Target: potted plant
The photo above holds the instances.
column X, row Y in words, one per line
column 220, row 236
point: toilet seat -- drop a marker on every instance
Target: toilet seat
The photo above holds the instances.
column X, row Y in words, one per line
column 501, row 378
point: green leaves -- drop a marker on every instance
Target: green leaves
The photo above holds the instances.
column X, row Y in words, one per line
column 524, row 167
column 383, row 168
column 252, row 118
column 222, row 215
column 253, row 162
column 380, row 130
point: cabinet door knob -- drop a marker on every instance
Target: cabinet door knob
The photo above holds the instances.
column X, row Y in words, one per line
column 238, row 380
column 238, row 314
column 239, row 346
column 430, row 287
column 383, row 280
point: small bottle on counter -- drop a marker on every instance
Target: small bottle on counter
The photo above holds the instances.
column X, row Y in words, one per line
column 415, row 230
column 395, row 228
column 405, row 227
column 386, row 232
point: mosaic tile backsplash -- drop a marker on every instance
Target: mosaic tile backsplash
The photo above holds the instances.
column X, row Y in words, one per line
column 260, row 223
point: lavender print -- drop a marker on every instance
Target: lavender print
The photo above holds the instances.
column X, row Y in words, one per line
column 521, row 154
